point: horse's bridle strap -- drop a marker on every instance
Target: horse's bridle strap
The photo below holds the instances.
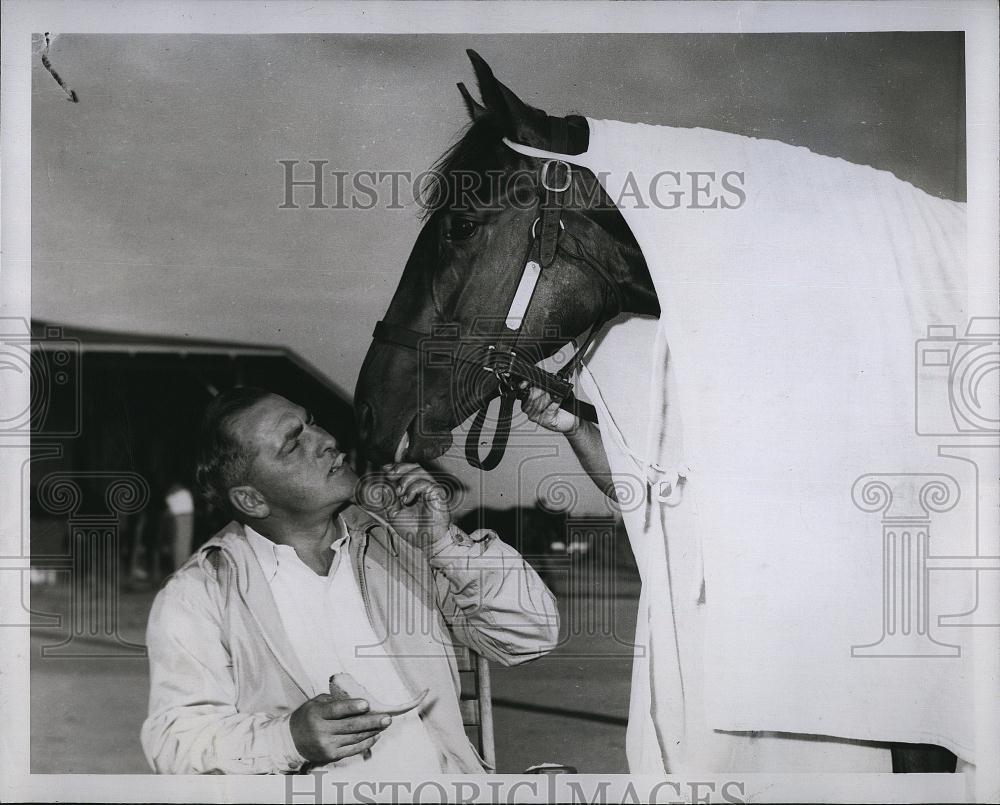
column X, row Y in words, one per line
column 390, row 333
column 503, row 364
column 555, row 178
column 500, row 435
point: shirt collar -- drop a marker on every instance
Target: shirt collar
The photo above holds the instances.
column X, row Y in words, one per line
column 270, row 554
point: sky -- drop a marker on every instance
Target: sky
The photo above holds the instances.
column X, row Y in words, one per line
column 156, row 198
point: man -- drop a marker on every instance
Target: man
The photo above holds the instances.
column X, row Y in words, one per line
column 304, row 584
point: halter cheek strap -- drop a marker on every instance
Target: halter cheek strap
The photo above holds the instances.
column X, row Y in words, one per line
column 547, row 243
column 555, row 178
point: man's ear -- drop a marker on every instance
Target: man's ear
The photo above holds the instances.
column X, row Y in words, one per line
column 520, row 122
column 249, row 502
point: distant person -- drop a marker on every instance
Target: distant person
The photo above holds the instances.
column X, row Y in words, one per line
column 180, row 514
column 303, row 584
column 143, row 538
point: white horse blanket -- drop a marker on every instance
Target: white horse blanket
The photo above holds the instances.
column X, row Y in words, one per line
column 778, row 384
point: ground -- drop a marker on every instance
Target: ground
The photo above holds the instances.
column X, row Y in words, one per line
column 569, row 707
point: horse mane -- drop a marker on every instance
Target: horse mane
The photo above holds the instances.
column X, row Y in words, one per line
column 474, row 152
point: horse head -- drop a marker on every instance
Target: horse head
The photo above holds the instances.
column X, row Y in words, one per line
column 488, row 216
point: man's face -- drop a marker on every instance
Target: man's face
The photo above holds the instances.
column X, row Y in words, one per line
column 297, row 466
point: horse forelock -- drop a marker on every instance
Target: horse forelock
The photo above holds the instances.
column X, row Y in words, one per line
column 475, row 153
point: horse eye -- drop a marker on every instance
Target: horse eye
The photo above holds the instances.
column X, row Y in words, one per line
column 461, row 229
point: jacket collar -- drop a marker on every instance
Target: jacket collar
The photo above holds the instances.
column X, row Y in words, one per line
column 229, row 558
column 364, row 525
column 233, row 538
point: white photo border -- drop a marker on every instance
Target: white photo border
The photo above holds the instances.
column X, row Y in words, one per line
column 979, row 21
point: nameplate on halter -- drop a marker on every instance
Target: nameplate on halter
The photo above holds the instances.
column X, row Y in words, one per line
column 522, row 297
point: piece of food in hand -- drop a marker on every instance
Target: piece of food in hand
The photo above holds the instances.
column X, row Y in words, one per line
column 345, row 686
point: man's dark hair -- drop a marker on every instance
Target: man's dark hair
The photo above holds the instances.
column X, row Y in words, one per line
column 223, row 459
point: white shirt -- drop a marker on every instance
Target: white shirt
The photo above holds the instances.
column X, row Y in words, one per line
column 326, row 623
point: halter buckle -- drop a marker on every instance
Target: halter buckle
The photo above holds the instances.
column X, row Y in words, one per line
column 501, row 365
column 534, row 226
column 543, row 178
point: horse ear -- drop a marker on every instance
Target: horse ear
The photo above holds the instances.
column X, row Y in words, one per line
column 521, row 122
column 476, row 110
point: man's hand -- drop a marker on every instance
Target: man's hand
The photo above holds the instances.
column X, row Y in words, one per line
column 325, row 729
column 419, row 512
column 541, row 409
column 583, row 437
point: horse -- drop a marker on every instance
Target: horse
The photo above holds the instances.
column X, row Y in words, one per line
column 469, row 256
column 504, row 274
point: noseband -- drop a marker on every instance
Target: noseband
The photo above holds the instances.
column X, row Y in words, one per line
column 503, row 357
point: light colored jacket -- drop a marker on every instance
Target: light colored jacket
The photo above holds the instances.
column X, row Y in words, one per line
column 224, row 679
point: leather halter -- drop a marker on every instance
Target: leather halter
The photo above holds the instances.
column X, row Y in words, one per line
column 503, row 359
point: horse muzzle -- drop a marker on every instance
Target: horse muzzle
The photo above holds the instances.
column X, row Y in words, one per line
column 393, row 423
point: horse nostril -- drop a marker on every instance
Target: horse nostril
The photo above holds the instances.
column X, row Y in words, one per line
column 366, row 421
